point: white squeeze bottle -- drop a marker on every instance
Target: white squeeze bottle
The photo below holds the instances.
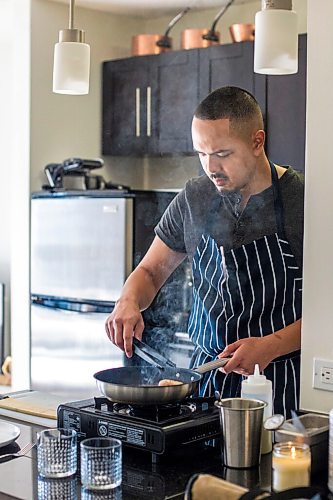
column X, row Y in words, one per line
column 257, row 386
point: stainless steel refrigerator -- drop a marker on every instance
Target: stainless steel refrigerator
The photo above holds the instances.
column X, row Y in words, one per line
column 83, row 246
column 81, row 254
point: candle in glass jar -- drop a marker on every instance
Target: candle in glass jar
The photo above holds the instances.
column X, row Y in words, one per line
column 291, row 465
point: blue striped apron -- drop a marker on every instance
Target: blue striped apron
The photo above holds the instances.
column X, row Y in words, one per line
column 250, row 291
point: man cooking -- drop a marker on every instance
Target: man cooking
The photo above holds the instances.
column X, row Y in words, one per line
column 241, row 224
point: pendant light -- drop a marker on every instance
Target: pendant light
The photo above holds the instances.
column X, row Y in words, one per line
column 276, row 38
column 71, row 60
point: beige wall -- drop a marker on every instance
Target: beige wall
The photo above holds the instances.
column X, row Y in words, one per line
column 318, row 244
column 64, row 126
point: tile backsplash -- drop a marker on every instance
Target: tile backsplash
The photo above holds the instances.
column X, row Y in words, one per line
column 165, row 172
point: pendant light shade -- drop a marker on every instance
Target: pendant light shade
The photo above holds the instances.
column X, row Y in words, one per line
column 276, row 39
column 71, row 61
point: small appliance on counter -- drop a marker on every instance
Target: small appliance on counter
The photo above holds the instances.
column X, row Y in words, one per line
column 156, row 429
column 77, row 167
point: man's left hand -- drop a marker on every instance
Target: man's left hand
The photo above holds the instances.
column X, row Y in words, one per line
column 246, row 353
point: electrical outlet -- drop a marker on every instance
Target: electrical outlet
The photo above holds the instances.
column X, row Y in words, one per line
column 323, row 374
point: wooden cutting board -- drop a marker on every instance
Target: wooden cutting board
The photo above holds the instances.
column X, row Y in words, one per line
column 41, row 404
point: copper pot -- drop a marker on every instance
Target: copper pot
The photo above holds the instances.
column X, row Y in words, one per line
column 199, row 38
column 143, row 45
column 193, row 39
column 242, row 32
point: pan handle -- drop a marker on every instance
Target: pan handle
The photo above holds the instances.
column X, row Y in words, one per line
column 165, row 41
column 212, row 365
column 176, row 19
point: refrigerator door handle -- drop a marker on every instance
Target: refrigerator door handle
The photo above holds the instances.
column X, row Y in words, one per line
column 66, row 305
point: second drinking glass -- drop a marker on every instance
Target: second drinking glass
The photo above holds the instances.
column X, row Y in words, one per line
column 101, row 463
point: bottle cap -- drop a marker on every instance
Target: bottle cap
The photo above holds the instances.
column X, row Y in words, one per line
column 274, row 422
column 256, row 378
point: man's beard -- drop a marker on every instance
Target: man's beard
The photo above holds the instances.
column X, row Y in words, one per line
column 222, row 191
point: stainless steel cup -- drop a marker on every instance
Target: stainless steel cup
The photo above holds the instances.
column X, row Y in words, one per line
column 241, row 422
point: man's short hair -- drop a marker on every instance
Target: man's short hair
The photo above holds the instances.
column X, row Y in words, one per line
column 234, row 103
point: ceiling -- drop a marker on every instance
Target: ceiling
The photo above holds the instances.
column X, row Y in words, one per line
column 150, row 7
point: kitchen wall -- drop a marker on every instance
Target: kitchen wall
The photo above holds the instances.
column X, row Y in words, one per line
column 64, row 126
column 318, row 245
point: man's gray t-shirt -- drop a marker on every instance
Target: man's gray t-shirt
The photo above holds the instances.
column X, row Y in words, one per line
column 200, row 209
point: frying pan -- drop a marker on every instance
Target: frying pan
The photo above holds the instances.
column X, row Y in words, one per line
column 139, row 385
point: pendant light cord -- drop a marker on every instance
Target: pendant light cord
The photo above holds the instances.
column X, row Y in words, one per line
column 71, row 14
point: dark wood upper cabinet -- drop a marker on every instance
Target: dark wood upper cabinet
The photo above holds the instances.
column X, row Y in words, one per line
column 175, row 95
column 230, row 64
column 148, row 102
column 124, row 111
column 286, row 114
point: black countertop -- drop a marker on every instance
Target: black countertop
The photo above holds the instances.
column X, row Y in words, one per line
column 142, row 479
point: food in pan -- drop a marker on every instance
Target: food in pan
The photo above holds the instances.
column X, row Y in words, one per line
column 168, row 381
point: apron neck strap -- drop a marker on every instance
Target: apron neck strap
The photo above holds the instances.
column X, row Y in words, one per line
column 278, row 205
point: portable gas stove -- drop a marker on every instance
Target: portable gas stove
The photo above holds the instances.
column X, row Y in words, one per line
column 157, row 429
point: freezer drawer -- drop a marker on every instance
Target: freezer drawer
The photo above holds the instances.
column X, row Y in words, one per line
column 67, row 348
column 81, row 247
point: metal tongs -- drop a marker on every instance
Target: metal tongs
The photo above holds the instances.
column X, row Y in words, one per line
column 154, row 358
column 149, row 354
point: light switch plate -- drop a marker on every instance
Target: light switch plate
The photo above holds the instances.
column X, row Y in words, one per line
column 323, row 374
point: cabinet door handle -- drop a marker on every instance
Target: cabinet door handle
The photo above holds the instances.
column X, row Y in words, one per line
column 149, row 111
column 137, row 112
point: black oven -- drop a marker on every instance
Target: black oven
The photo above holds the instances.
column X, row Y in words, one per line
column 166, row 319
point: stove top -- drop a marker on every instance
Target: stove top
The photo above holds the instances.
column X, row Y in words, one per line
column 157, row 429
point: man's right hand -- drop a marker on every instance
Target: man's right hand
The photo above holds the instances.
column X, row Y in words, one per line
column 124, row 323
